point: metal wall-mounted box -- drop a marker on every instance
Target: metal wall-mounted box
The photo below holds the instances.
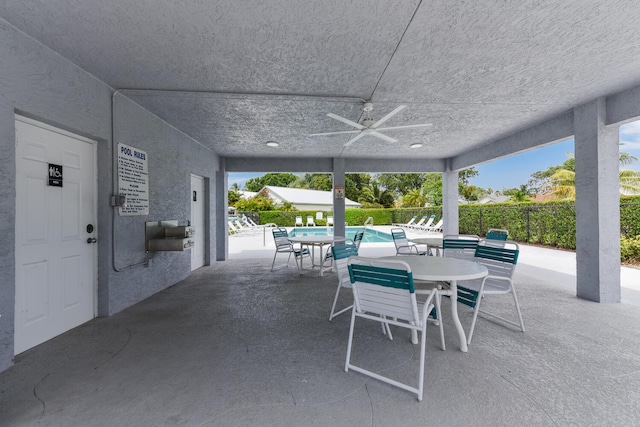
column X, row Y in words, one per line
column 168, row 236
column 180, row 231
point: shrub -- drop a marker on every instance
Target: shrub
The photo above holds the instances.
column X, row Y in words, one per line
column 630, row 249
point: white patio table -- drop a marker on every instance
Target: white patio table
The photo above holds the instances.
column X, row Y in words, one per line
column 441, row 269
column 432, row 241
column 313, row 242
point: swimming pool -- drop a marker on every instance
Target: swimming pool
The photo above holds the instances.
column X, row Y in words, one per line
column 370, row 235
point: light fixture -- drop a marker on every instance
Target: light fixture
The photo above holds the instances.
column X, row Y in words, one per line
column 416, row 145
column 272, row 143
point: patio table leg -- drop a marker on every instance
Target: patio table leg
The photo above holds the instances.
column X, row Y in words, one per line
column 454, row 313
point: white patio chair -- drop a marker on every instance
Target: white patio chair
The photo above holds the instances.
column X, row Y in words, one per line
column 329, row 220
column 426, row 224
column 403, row 247
column 497, row 237
column 357, row 239
column 501, row 263
column 408, row 224
column 385, row 293
column 284, row 246
column 461, row 246
column 310, row 222
column 435, row 228
column 419, row 223
column 299, row 221
column 340, row 253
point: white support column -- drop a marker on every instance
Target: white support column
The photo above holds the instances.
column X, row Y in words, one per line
column 450, row 200
column 221, row 197
column 597, row 204
column 338, row 204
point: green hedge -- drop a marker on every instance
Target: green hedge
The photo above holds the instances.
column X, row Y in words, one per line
column 550, row 223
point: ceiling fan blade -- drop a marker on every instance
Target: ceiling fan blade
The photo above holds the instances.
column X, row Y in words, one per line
column 354, row 139
column 388, row 116
column 383, row 137
column 345, row 121
column 424, row 125
column 334, row 133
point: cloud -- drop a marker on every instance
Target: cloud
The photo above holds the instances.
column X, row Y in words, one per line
column 630, row 137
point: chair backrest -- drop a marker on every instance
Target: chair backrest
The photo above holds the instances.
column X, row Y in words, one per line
column 430, row 221
column 299, row 219
column 281, row 236
column 500, row 261
column 422, row 220
column 341, row 254
column 497, row 237
column 462, row 246
column 357, row 239
column 412, row 220
column 329, row 220
column 497, row 234
column 438, row 225
column 310, row 220
column 399, row 237
column 384, row 288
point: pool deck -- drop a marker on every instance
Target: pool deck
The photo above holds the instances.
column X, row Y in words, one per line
column 235, row 344
column 559, row 265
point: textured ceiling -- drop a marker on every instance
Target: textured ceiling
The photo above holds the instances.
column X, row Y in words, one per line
column 234, row 74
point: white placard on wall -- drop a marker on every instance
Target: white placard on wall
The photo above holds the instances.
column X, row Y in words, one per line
column 133, row 180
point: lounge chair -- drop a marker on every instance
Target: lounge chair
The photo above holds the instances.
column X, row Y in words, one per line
column 435, row 228
column 310, row 222
column 329, row 220
column 426, row 224
column 419, row 223
column 408, row 224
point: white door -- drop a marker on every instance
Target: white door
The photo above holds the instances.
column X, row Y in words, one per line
column 55, row 217
column 197, row 221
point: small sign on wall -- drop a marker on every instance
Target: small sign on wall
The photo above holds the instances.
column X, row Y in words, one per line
column 338, row 192
column 55, row 175
column 133, row 180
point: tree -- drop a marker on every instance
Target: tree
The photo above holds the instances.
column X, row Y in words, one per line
column 233, row 194
column 521, row 194
column 414, row 198
column 563, row 181
column 257, row 203
column 275, row 179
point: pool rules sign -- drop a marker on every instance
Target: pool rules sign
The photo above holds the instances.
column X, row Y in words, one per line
column 133, row 180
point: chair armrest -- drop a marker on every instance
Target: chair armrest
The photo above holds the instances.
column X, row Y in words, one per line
column 411, row 248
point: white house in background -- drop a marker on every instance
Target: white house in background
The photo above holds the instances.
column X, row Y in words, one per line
column 247, row 194
column 301, row 199
column 493, row 198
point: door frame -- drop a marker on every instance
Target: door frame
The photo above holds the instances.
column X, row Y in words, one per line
column 201, row 232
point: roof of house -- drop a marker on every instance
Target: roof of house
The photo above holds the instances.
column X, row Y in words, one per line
column 493, row 198
column 304, row 197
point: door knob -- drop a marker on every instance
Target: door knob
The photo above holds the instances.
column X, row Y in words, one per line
column 91, row 240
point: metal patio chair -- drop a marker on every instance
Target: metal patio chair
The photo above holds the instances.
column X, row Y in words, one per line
column 385, row 293
column 501, row 262
column 284, row 246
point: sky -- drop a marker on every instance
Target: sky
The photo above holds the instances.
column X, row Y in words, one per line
column 513, row 171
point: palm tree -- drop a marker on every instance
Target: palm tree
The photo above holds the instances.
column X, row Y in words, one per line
column 563, row 181
column 414, row 198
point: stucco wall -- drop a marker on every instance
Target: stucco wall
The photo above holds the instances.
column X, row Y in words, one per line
column 40, row 84
column 172, row 157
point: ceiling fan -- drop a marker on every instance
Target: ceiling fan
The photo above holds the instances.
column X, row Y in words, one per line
column 369, row 126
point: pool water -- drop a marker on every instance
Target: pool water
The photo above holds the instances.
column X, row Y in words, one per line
column 370, row 235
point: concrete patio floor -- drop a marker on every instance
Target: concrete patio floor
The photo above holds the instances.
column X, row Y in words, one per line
column 238, row 345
